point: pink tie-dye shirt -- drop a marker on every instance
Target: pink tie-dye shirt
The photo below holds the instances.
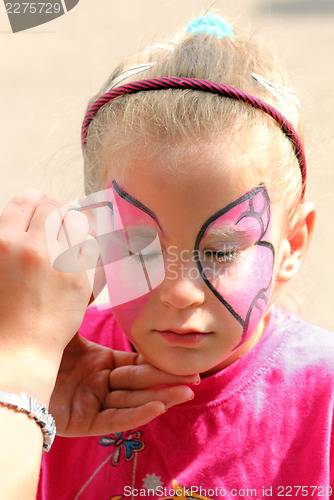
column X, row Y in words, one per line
column 261, row 427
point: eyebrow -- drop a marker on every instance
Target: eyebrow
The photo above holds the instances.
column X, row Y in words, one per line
column 227, row 232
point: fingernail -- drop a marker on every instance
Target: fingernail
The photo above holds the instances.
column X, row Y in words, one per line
column 198, row 381
column 191, row 397
column 164, row 411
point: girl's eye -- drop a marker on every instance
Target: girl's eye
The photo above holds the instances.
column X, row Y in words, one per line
column 146, row 256
column 220, row 256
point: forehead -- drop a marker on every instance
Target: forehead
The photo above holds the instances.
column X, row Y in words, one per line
column 184, row 182
column 241, row 142
column 229, row 157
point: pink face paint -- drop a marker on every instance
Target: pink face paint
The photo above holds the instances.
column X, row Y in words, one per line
column 131, row 255
column 234, row 259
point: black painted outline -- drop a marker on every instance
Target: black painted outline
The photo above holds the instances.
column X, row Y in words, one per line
column 133, row 201
column 248, row 196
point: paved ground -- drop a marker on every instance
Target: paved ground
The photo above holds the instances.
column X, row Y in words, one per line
column 48, row 73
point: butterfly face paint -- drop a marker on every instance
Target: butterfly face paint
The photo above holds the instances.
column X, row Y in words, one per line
column 231, row 251
column 233, row 257
column 235, row 260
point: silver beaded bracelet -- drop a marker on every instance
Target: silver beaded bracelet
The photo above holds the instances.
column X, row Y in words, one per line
column 34, row 410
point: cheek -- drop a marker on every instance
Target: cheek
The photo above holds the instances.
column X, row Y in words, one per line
column 244, row 287
column 251, row 303
column 126, row 314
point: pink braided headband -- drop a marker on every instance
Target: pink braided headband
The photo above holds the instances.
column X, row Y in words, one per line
column 206, row 86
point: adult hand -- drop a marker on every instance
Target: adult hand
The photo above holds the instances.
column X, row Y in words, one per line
column 40, row 308
column 101, row 391
column 40, row 311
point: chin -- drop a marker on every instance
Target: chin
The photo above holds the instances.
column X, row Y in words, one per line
column 180, row 369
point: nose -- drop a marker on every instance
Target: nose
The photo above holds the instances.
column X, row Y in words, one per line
column 182, row 286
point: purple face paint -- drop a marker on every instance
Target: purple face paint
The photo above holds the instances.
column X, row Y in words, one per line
column 235, row 260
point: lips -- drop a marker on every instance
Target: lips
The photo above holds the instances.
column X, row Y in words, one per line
column 183, row 337
column 181, row 331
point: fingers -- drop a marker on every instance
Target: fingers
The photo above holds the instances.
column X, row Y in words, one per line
column 133, row 372
column 20, row 210
column 170, row 396
column 71, row 248
column 66, row 233
column 89, row 253
column 46, row 208
column 145, row 377
column 119, row 420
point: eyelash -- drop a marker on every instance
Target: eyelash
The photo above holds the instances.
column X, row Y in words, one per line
column 221, row 256
column 146, row 257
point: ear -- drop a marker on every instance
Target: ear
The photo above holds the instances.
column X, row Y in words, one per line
column 294, row 247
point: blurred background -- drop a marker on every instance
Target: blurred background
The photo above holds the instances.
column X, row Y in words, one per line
column 48, row 73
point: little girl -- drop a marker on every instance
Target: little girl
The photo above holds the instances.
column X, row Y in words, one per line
column 201, row 218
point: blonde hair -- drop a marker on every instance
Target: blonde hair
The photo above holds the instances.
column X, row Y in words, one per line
column 184, row 116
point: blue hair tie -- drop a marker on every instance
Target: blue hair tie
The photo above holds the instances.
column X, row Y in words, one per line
column 212, row 24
